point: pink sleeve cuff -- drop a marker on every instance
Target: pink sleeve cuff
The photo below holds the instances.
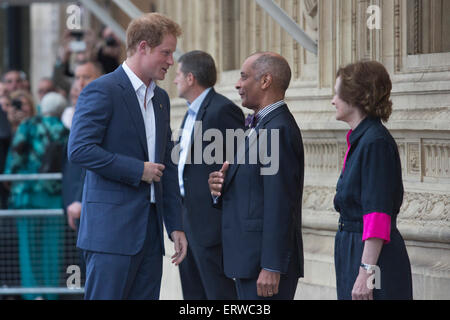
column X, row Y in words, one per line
column 377, row 225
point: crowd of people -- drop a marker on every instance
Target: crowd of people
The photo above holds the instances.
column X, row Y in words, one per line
column 33, row 139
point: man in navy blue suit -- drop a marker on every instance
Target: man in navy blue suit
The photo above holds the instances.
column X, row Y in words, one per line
column 121, row 135
column 261, row 200
column 201, row 273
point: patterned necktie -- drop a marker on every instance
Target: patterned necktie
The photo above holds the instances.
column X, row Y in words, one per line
column 251, row 121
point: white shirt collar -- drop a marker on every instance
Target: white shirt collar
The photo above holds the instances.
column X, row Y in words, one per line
column 197, row 103
column 135, row 81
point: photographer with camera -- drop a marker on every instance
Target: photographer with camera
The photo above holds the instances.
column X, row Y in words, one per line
column 18, row 107
column 109, row 52
column 77, row 47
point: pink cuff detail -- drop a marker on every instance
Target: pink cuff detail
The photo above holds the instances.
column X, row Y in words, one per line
column 377, row 225
column 348, row 149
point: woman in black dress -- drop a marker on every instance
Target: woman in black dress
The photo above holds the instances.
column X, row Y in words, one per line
column 370, row 255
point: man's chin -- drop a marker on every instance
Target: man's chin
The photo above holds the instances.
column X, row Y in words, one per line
column 248, row 106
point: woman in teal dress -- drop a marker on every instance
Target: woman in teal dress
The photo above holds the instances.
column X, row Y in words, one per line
column 40, row 238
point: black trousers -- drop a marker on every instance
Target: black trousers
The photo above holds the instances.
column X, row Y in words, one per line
column 202, row 276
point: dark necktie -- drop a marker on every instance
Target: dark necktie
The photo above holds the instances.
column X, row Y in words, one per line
column 251, row 121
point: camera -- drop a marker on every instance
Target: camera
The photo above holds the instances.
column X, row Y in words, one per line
column 77, row 45
column 111, row 42
column 17, row 104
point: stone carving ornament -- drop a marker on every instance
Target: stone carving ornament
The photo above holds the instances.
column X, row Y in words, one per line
column 311, row 16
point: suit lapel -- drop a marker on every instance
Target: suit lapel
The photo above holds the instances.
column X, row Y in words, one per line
column 132, row 103
column 160, row 123
column 252, row 139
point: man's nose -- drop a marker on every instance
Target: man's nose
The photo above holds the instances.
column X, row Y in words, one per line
column 171, row 61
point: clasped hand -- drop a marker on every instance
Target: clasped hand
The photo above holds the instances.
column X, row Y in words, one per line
column 152, row 172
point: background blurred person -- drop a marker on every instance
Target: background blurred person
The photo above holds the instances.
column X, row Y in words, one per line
column 34, row 149
column 8, row 235
column 3, row 90
column 5, row 104
column 12, row 80
column 108, row 54
column 87, row 72
column 20, row 108
column 76, row 48
column 5, row 137
column 68, row 113
column 45, row 86
column 73, row 179
column 25, row 83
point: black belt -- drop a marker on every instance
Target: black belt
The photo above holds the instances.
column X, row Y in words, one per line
column 351, row 226
column 357, row 226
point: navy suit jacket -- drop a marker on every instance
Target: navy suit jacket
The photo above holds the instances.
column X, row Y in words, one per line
column 262, row 213
column 201, row 221
column 108, row 139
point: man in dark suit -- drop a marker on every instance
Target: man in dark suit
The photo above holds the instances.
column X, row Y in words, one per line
column 121, row 135
column 201, row 273
column 261, row 201
column 73, row 175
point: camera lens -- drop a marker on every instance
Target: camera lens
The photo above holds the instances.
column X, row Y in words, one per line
column 17, row 104
column 111, row 42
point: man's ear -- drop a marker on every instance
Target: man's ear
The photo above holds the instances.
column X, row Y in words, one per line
column 266, row 81
column 190, row 78
column 142, row 46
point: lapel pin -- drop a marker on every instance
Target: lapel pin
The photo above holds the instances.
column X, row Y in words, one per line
column 160, row 106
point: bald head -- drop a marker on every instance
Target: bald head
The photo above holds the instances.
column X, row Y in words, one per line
column 275, row 65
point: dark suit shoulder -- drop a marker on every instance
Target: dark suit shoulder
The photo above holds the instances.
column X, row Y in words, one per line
column 221, row 98
column 281, row 117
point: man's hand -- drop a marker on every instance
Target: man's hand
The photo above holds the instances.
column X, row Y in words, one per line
column 152, row 172
column 267, row 283
column 73, row 212
column 180, row 245
column 216, row 180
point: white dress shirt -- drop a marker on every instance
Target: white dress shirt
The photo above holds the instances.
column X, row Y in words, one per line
column 185, row 141
column 145, row 93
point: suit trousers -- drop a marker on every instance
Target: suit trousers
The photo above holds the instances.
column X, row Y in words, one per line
column 124, row 277
column 202, row 275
